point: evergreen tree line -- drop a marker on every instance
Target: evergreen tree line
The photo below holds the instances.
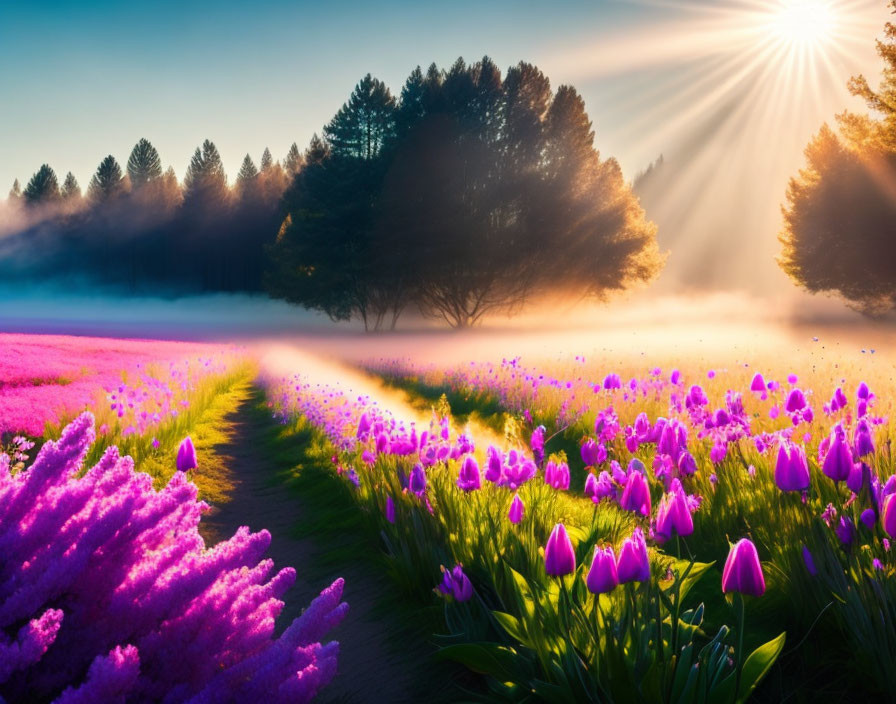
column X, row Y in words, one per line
column 137, row 228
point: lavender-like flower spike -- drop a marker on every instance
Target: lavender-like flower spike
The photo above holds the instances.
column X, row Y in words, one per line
column 179, row 621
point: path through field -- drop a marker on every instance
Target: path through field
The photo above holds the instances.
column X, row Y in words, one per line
column 381, row 658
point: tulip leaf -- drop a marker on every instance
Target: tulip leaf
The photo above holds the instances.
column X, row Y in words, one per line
column 512, row 626
column 758, row 664
column 485, row 658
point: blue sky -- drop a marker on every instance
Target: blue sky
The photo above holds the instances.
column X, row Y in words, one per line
column 86, row 79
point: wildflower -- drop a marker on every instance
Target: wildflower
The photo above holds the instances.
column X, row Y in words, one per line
column 417, row 483
column 868, row 518
column 743, row 572
column 792, row 468
column 559, row 556
column 758, row 383
column 888, row 517
column 633, row 564
column 636, row 495
column 864, row 445
column 602, row 577
column 846, row 531
column 838, row 461
column 456, row 584
column 516, row 509
column 557, row 475
column 612, row 381
column 673, row 514
column 537, row 444
column 809, row 561
column 469, row 478
column 796, row 401
column 186, row 456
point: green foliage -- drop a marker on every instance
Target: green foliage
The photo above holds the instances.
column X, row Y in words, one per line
column 469, row 195
column 144, row 164
column 108, row 181
column 43, row 187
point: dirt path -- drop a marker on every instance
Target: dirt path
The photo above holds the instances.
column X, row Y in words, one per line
column 376, row 664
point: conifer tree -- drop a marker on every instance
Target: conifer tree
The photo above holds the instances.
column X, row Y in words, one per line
column 144, row 164
column 15, row 193
column 107, row 182
column 266, row 160
column 71, row 189
column 43, row 187
column 292, row 163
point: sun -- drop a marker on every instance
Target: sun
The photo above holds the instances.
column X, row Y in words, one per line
column 803, row 23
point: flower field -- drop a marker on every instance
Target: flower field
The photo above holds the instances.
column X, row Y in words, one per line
column 613, row 529
column 663, row 534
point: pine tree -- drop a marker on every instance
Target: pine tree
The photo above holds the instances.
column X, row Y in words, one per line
column 144, row 164
column 318, row 150
column 292, row 163
column 266, row 160
column 205, row 176
column 107, row 182
column 365, row 124
column 15, row 193
column 43, row 187
column 247, row 179
column 71, row 190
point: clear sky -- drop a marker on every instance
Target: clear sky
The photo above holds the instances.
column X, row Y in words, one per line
column 728, row 90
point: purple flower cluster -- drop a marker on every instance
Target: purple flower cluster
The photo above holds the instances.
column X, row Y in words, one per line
column 109, row 593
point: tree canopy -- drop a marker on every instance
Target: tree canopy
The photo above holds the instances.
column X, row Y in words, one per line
column 472, row 193
column 839, row 232
column 144, row 164
column 43, row 187
column 107, row 182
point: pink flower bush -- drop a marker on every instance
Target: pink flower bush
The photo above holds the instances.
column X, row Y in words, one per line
column 108, row 592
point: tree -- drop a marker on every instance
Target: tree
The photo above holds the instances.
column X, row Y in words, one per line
column 292, row 163
column 472, row 195
column 838, row 234
column 266, row 159
column 248, row 174
column 71, row 189
column 108, row 181
column 43, row 187
column 365, row 124
column 205, row 179
column 144, row 164
column 15, row 193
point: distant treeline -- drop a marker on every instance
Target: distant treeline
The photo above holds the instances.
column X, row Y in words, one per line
column 139, row 229
column 472, row 192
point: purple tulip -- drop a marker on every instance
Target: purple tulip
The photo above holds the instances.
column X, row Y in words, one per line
column 469, row 478
column 537, row 444
column 838, row 461
column 846, row 531
column 390, row 509
column 186, row 456
column 868, row 518
column 602, row 577
column 889, row 515
column 687, row 465
column 612, row 381
column 636, row 495
column 516, row 509
column 557, row 475
column 758, row 383
column 796, row 401
column 809, row 561
column 633, row 564
column 456, row 584
column 743, row 572
column 792, row 468
column 864, row 445
column 673, row 514
column 559, row 557
column 417, row 483
column 592, row 453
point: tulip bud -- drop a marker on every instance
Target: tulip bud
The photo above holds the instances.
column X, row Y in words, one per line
column 743, row 572
column 559, row 556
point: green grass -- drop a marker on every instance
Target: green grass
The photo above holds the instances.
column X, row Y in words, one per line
column 346, row 538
